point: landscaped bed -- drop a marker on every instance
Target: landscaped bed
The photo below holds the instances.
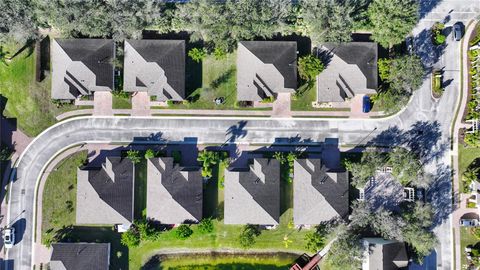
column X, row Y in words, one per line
column 305, row 96
column 27, row 100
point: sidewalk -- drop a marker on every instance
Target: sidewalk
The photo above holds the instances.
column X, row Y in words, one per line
column 459, row 204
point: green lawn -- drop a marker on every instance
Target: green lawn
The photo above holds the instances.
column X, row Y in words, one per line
column 226, row 236
column 307, row 95
column 121, row 102
column 219, row 78
column 465, row 157
column 466, row 238
column 140, row 195
column 226, row 262
column 59, row 196
column 28, row 100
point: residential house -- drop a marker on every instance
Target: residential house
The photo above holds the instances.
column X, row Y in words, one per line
column 81, row 67
column 174, row 193
column 266, row 68
column 381, row 254
column 319, row 194
column 156, row 67
column 350, row 70
column 252, row 195
column 105, row 195
column 80, row 256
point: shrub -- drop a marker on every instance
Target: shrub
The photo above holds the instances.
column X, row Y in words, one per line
column 183, row 232
column 440, row 39
column 170, row 103
column 130, row 238
column 248, row 235
column 206, row 225
column 219, row 53
column 314, row 241
column 149, row 154
column 309, row 67
column 268, row 99
column 197, row 54
column 145, row 230
column 384, row 68
column 5, row 153
column 134, row 156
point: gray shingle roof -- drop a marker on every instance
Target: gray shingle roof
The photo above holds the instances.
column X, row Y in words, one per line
column 253, row 196
column 174, row 193
column 108, row 191
column 81, row 66
column 318, row 194
column 155, row 66
column 351, row 69
column 265, row 68
column 385, row 254
column 80, row 256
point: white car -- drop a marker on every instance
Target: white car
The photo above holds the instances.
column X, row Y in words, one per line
column 9, row 237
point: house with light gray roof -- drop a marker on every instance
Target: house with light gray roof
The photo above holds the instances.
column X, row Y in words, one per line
column 265, row 68
column 350, row 69
column 319, row 194
column 80, row 256
column 174, row 193
column 105, row 195
column 156, row 67
column 381, row 254
column 81, row 67
column 252, row 195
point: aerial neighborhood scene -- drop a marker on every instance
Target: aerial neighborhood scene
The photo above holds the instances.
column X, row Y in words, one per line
column 240, row 134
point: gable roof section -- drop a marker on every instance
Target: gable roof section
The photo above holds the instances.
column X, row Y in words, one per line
column 265, row 68
column 80, row 256
column 318, row 194
column 108, row 191
column 174, row 193
column 384, row 254
column 155, row 66
column 253, row 196
column 351, row 69
column 81, row 66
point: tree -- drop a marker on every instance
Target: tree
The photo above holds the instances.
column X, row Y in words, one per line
column 384, row 68
column 406, row 166
column 406, row 73
column 149, row 154
column 314, row 241
column 421, row 240
column 183, row 232
column 18, row 20
column 197, row 54
column 206, row 225
column 248, row 235
column 208, row 160
column 130, row 238
column 134, row 156
column 205, row 19
column 309, row 67
column 366, row 168
column 145, row 230
column 346, row 252
column 326, row 20
column 392, row 20
column 92, row 18
column 390, row 100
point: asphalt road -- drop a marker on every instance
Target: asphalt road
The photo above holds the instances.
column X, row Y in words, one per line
column 425, row 122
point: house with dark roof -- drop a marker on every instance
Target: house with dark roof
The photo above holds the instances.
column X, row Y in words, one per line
column 156, row 67
column 174, row 193
column 80, row 256
column 105, row 195
column 252, row 195
column 381, row 254
column 319, row 194
column 266, row 68
column 350, row 69
column 81, row 67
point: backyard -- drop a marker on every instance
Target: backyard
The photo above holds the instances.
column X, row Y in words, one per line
column 27, row 100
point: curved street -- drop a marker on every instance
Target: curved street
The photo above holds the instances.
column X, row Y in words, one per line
column 425, row 124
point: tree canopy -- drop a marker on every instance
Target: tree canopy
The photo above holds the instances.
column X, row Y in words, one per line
column 17, row 21
column 406, row 73
column 392, row 20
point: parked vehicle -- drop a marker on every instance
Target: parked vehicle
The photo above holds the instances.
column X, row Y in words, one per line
column 9, row 237
column 367, row 104
column 457, row 31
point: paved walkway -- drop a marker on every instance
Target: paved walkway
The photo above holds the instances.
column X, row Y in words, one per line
column 140, row 104
column 102, row 103
column 282, row 105
column 459, row 201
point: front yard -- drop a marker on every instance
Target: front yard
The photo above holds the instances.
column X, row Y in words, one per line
column 467, row 238
column 27, row 100
column 466, row 155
